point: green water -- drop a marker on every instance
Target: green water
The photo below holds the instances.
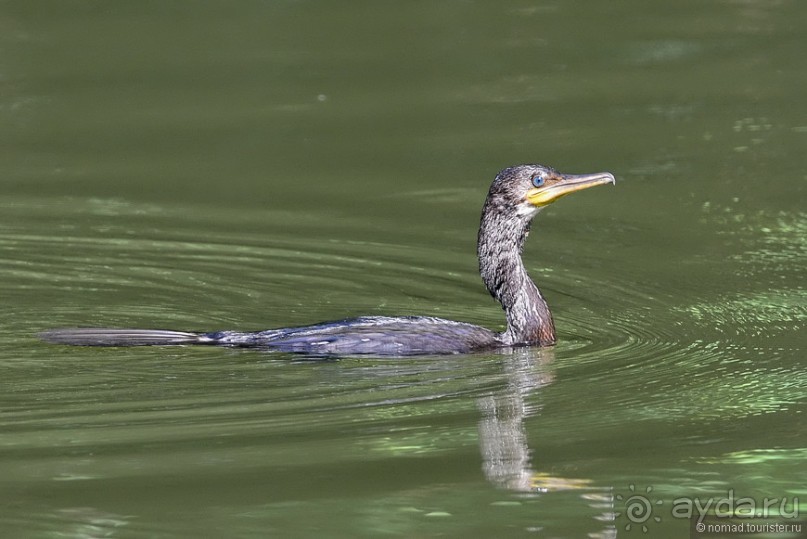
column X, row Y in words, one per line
column 211, row 165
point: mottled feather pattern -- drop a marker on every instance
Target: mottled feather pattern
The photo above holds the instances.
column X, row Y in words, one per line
column 380, row 335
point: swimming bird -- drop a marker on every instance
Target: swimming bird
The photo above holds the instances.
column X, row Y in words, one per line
column 516, row 195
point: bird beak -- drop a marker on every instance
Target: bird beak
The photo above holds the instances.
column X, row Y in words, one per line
column 541, row 196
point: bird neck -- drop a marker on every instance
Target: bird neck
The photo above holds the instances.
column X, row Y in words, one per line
column 500, row 243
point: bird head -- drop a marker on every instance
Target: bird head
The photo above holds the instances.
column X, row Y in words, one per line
column 528, row 188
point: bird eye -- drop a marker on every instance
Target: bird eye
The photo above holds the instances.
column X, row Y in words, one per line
column 538, row 181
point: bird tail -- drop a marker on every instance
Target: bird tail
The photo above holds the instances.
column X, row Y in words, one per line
column 121, row 337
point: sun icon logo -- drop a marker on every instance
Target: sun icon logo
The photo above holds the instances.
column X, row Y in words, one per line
column 639, row 508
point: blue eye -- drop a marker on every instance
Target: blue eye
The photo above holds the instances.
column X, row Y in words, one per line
column 538, row 181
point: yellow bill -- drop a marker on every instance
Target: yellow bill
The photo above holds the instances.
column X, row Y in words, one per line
column 565, row 184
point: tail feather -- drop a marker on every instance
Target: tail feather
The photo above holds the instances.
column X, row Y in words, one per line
column 121, row 337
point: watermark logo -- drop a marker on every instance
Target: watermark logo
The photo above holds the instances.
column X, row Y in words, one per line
column 639, row 509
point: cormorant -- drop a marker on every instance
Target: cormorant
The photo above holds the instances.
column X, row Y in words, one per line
column 516, row 195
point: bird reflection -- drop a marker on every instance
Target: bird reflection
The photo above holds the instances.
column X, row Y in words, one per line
column 503, row 441
column 502, row 435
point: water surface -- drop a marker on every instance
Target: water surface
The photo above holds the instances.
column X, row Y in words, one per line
column 202, row 166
